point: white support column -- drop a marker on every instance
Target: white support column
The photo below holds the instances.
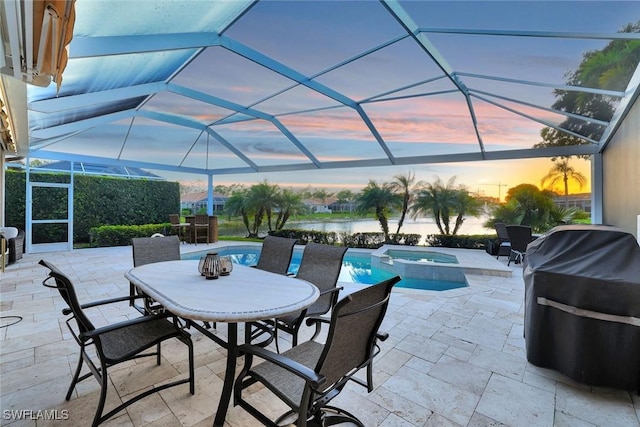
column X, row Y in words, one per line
column 597, row 183
column 210, row 195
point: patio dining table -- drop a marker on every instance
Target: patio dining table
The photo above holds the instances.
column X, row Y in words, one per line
column 246, row 295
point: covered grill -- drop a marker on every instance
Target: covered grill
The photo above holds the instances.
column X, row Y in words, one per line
column 582, row 304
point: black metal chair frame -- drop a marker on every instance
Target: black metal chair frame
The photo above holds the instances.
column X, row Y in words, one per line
column 316, row 373
column 320, row 265
column 116, row 343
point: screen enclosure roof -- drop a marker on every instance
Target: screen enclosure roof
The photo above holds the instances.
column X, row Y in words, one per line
column 228, row 87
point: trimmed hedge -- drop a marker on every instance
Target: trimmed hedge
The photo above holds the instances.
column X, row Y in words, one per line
column 463, row 241
column 121, row 235
column 305, row 236
column 98, row 200
column 356, row 240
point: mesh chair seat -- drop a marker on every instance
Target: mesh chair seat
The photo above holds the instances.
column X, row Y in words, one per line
column 147, row 250
column 288, row 386
column 122, row 343
column 276, row 254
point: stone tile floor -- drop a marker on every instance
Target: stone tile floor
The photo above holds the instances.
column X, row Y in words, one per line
column 454, row 358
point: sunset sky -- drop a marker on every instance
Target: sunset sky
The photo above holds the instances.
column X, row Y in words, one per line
column 491, row 178
column 293, row 83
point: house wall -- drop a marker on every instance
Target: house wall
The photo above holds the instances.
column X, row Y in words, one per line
column 621, row 175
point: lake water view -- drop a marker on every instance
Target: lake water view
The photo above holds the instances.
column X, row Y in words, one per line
column 422, row 226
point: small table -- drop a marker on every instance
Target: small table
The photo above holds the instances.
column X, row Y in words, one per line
column 246, row 295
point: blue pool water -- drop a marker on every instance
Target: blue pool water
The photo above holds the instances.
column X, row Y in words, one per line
column 422, row 256
column 356, row 267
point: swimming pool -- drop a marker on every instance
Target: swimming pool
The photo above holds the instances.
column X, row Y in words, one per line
column 356, row 267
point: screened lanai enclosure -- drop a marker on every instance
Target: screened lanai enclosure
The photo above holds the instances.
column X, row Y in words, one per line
column 233, row 87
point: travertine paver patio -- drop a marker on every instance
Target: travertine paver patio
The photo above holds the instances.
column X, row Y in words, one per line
column 454, row 358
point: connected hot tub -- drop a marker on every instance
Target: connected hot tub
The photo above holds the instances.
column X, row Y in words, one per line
column 419, row 264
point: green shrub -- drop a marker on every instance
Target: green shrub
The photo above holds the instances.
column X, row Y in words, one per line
column 356, row 240
column 305, row 236
column 456, row 241
column 121, row 235
column 363, row 240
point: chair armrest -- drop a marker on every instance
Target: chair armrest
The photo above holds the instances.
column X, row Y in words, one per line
column 317, row 319
column 329, row 291
column 67, row 311
column 284, row 362
column 124, row 324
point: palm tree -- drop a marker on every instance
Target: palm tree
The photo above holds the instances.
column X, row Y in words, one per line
column 403, row 184
column 465, row 204
column 261, row 200
column 236, row 206
column 561, row 171
column 288, row 203
column 380, row 199
column 438, row 200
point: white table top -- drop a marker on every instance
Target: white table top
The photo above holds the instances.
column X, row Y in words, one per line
column 247, row 294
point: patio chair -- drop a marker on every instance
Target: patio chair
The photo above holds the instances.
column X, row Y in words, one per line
column 276, row 254
column 275, row 257
column 504, row 248
column 177, row 226
column 307, row 377
column 519, row 236
column 115, row 343
column 147, row 250
column 200, row 223
column 320, row 266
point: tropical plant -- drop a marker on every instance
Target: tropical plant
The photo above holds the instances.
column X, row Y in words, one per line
column 236, row 206
column 527, row 205
column 261, row 199
column 465, row 204
column 562, row 172
column 436, row 199
column 610, row 68
column 322, row 194
column 288, row 203
column 345, row 196
column 403, row 184
column 381, row 199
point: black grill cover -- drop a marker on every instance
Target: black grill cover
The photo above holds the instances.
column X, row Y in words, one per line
column 582, row 304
